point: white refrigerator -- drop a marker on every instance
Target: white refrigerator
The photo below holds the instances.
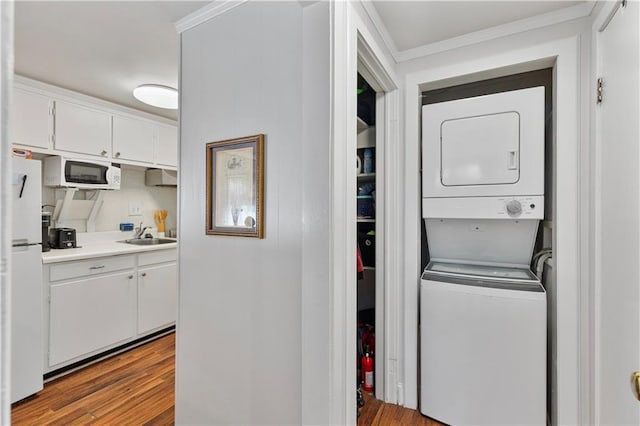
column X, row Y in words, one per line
column 26, row 280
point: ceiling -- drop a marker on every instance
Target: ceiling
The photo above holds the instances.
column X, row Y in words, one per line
column 411, row 24
column 107, row 48
column 101, row 48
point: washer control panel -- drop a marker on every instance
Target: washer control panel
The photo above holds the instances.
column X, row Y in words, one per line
column 517, row 207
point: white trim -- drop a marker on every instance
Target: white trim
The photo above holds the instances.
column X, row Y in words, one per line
column 566, row 234
column 6, row 73
column 374, row 64
column 342, row 369
column 376, row 20
column 527, row 24
column 205, row 13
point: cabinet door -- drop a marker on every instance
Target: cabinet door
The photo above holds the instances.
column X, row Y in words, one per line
column 167, row 148
column 30, row 123
column 133, row 139
column 157, row 297
column 83, row 130
column 90, row 314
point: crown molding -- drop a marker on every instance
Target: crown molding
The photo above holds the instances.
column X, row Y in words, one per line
column 519, row 26
column 527, row 24
column 371, row 11
column 209, row 11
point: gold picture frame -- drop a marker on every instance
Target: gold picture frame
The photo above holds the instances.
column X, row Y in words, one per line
column 235, row 187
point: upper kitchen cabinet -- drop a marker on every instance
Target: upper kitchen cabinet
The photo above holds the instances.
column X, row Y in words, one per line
column 31, row 119
column 82, row 130
column 139, row 140
column 167, row 148
column 51, row 120
column 133, row 139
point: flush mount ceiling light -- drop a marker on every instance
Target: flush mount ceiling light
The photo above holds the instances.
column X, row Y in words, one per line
column 157, row 95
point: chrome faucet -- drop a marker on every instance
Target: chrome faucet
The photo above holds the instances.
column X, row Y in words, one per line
column 140, row 231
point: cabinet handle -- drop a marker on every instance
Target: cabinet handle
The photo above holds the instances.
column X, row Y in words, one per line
column 103, row 153
column 117, row 154
column 96, row 267
column 130, row 277
column 144, row 274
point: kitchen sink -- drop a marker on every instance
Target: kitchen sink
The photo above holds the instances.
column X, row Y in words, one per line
column 148, row 241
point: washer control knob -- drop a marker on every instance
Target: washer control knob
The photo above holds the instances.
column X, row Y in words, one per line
column 514, row 208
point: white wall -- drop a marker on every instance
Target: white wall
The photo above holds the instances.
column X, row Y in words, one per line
column 115, row 209
column 239, row 322
column 485, row 60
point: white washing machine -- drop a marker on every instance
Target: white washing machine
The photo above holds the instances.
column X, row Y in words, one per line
column 483, row 345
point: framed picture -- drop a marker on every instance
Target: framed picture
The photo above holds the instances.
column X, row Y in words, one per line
column 235, row 187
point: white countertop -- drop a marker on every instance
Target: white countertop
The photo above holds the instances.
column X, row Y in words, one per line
column 98, row 244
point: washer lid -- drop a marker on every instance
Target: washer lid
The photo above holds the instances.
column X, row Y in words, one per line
column 483, row 276
column 481, row 271
column 492, row 242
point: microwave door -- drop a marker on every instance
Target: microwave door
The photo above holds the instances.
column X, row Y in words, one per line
column 80, row 172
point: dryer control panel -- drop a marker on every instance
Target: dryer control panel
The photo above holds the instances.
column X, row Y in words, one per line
column 511, row 207
column 517, row 207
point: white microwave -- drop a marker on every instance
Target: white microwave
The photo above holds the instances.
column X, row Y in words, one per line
column 79, row 173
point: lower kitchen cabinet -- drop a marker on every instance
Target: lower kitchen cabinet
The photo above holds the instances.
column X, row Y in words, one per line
column 157, row 297
column 97, row 304
column 90, row 314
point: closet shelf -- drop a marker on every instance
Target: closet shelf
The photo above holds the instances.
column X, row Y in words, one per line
column 365, row 176
column 363, row 220
column 362, row 125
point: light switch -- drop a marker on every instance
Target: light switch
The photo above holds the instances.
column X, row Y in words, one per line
column 135, row 208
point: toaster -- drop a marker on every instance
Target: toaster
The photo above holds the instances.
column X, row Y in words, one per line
column 62, row 238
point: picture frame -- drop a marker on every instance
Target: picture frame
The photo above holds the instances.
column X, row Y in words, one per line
column 235, row 187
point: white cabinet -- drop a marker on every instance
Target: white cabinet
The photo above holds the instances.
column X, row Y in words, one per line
column 82, row 130
column 157, row 296
column 133, row 139
column 96, row 304
column 167, row 147
column 30, row 119
column 140, row 140
column 90, row 314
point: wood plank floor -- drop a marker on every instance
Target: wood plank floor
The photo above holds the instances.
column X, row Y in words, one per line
column 377, row 413
column 137, row 388
column 132, row 388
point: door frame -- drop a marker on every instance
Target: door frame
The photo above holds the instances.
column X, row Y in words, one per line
column 571, row 265
column 6, row 81
column 353, row 43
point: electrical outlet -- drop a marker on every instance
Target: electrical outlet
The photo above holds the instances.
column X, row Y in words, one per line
column 135, row 208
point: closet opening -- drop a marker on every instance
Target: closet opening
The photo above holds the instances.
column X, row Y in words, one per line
column 539, row 252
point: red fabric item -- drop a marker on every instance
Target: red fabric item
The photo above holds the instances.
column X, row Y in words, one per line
column 359, row 264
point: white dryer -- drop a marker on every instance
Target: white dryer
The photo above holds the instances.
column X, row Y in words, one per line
column 489, row 147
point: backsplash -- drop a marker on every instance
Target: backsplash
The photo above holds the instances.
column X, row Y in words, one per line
column 116, row 203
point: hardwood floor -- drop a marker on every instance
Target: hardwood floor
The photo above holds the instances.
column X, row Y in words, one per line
column 133, row 388
column 137, row 388
column 377, row 413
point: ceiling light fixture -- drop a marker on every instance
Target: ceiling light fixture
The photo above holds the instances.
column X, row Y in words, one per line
column 157, row 95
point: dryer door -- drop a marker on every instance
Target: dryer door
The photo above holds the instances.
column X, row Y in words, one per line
column 481, row 150
column 485, row 146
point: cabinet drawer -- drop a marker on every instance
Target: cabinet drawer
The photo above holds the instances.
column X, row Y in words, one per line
column 83, row 268
column 159, row 256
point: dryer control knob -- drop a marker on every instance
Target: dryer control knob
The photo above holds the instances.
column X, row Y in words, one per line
column 514, row 208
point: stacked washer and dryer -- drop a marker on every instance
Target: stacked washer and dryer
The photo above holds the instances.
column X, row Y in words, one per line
column 482, row 310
